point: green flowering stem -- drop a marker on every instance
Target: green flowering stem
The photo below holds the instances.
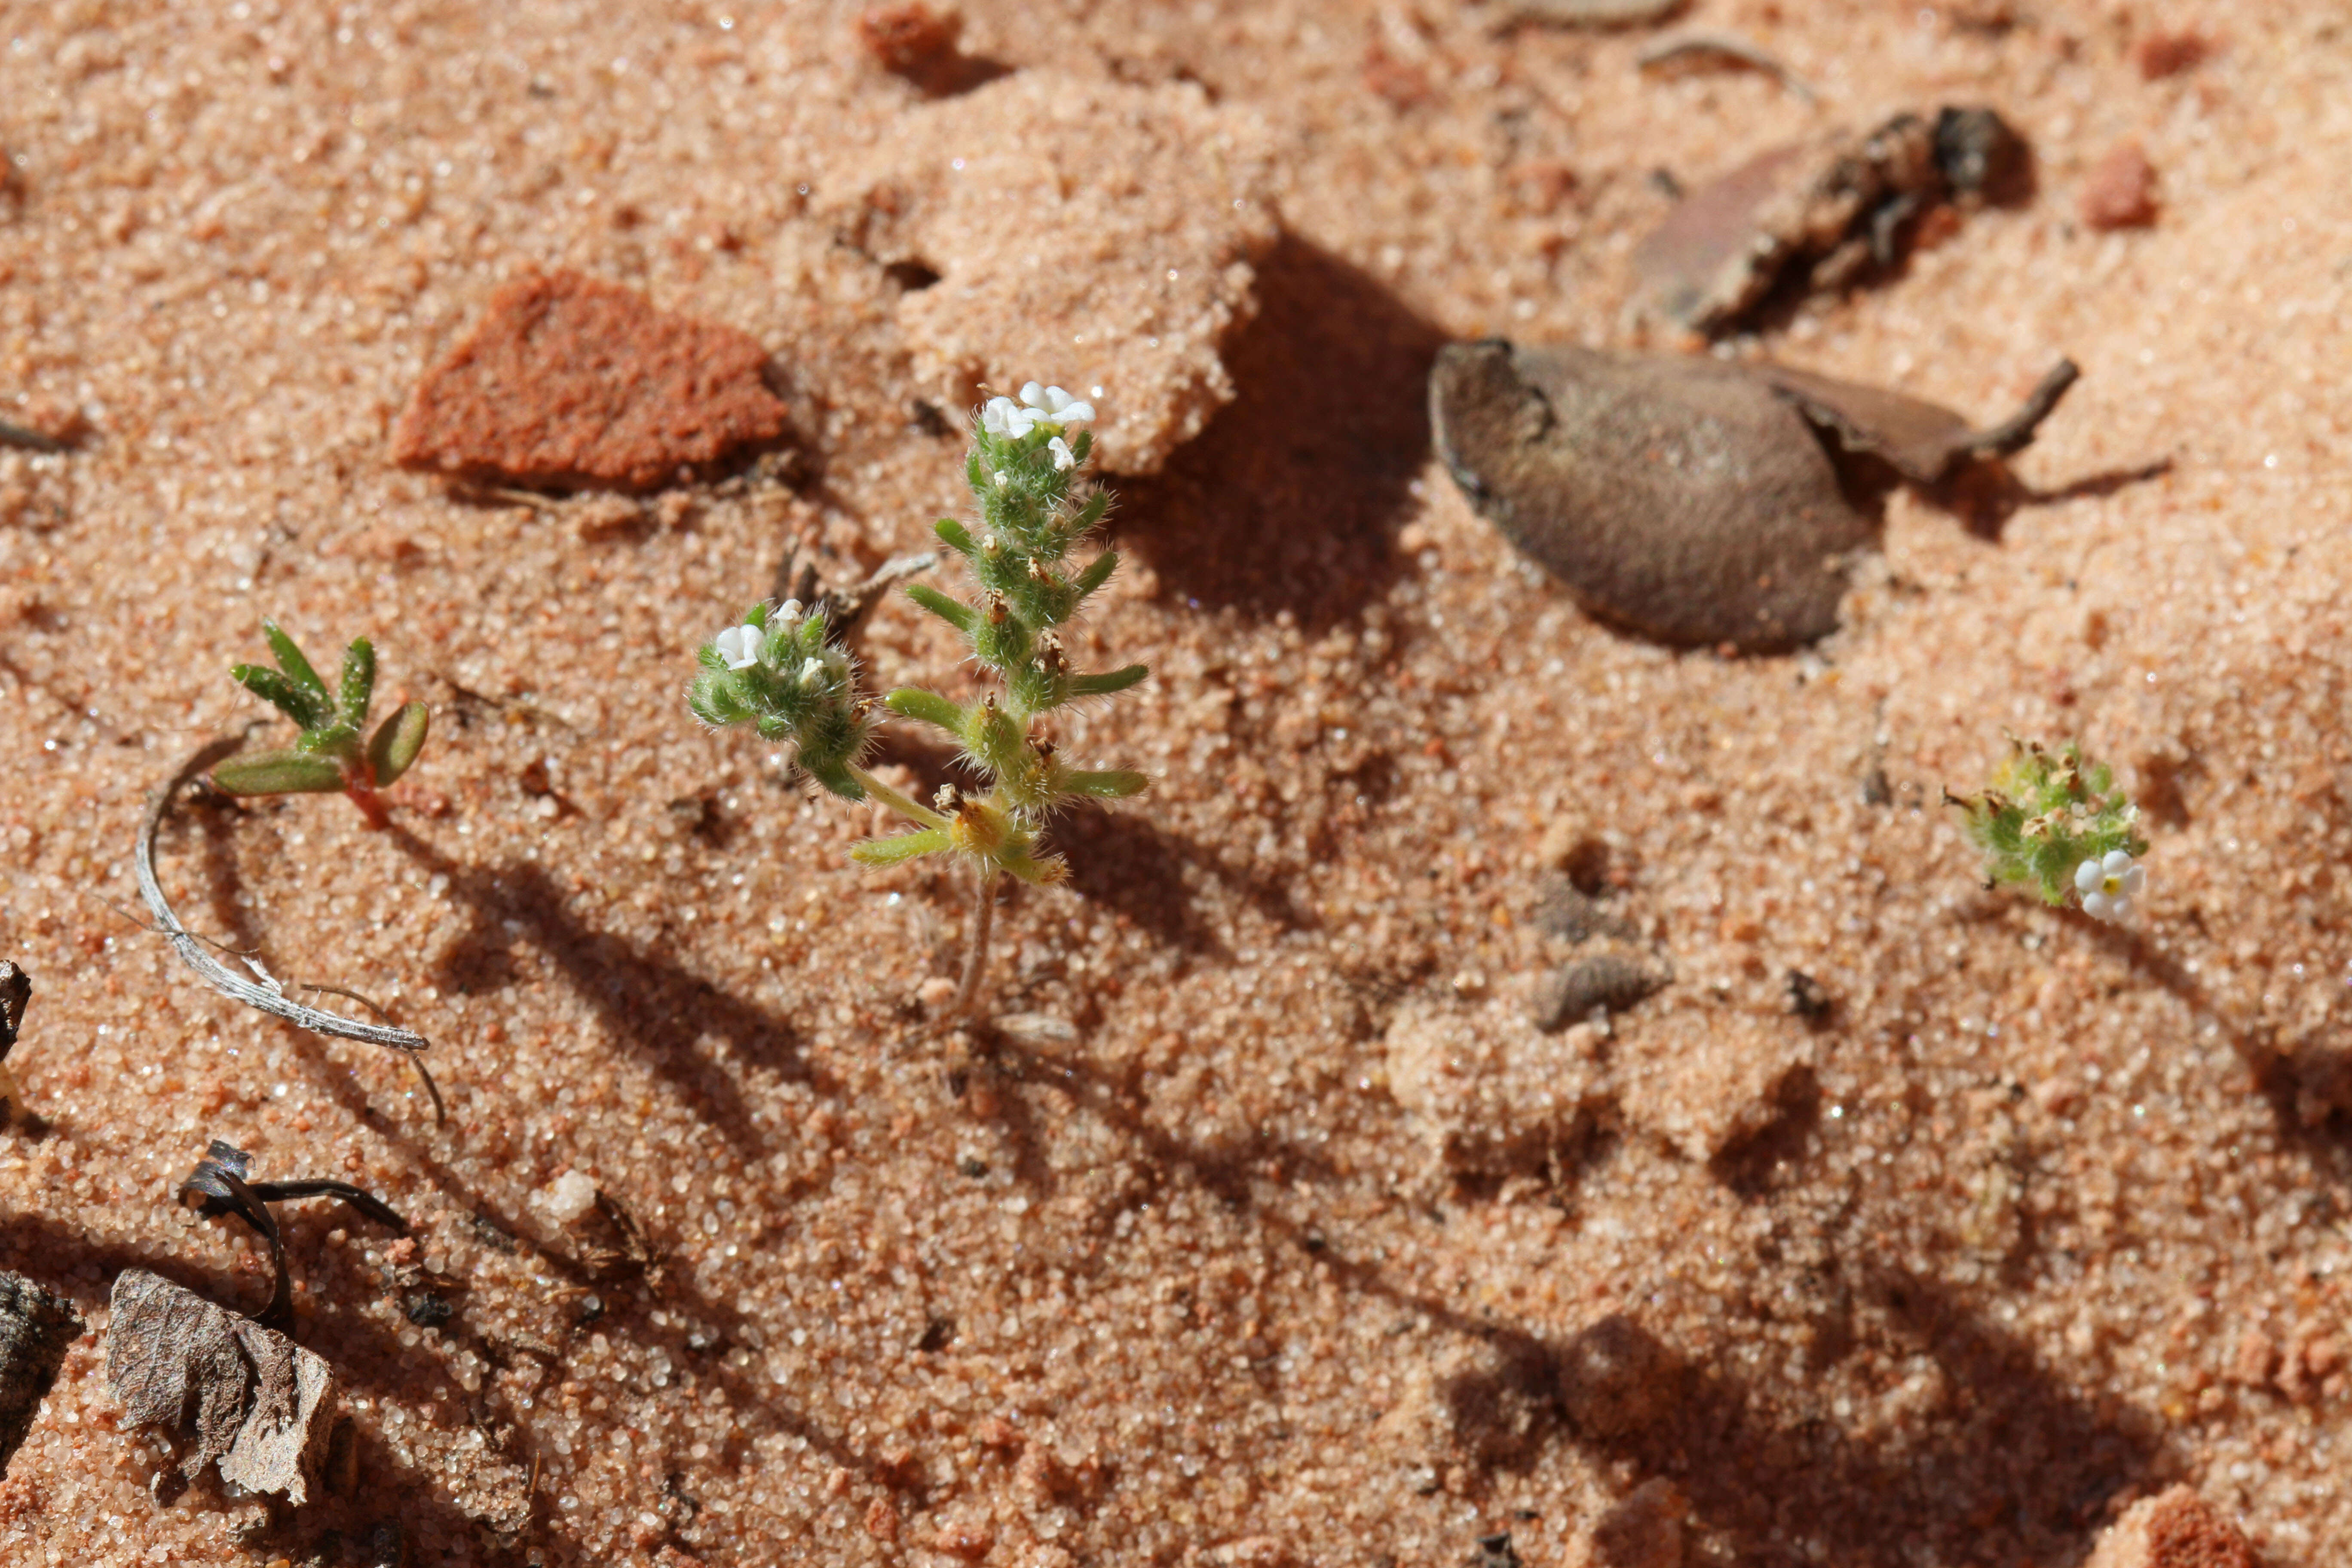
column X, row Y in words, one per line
column 780, row 670
column 2054, row 821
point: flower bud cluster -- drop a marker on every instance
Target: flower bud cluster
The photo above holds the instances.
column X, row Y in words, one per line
column 778, row 672
column 2055, row 822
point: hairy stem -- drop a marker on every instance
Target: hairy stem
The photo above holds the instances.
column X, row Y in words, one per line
column 975, row 952
column 920, row 815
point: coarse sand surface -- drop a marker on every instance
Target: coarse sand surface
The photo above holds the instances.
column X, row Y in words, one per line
column 2017, row 1220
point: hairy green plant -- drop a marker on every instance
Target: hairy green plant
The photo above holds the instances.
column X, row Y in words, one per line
column 329, row 755
column 781, row 672
column 2054, row 821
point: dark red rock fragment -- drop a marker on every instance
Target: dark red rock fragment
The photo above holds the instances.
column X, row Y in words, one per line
column 571, row 383
column 2121, row 191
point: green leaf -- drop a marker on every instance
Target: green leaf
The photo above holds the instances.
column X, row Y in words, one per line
column 714, row 699
column 954, row 535
column 306, row 708
column 1108, row 784
column 290, row 660
column 359, row 681
column 278, row 773
column 1098, row 572
column 961, row 616
column 899, row 847
column 1109, row 681
column 929, row 707
column 1037, row 870
column 391, row 750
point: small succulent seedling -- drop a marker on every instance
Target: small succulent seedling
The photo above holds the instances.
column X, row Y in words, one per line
column 329, row 755
column 2055, row 822
column 779, row 672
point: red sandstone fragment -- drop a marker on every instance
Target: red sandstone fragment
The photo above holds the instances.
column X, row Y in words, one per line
column 571, row 382
column 2121, row 191
column 2177, row 1529
column 2163, row 54
column 910, row 37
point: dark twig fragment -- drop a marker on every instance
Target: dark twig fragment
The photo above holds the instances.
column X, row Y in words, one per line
column 218, row 1185
column 30, row 440
column 270, row 994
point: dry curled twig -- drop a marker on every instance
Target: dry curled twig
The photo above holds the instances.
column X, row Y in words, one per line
column 266, row 993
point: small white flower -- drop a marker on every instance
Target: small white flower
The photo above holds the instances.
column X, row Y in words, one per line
column 740, row 646
column 1003, row 416
column 786, row 613
column 1053, row 405
column 1063, row 457
column 1002, row 479
column 2108, row 885
column 811, row 671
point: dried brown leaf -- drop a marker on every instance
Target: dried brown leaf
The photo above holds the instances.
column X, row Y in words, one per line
column 251, row 1399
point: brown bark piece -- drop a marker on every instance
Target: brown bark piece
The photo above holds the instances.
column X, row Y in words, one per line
column 35, row 1330
column 252, row 1400
column 2121, row 191
column 1822, row 209
column 573, row 383
column 1083, row 233
column 1925, row 441
column 2176, row 1529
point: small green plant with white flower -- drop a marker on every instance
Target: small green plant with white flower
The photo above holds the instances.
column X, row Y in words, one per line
column 2055, row 822
column 780, row 671
column 329, row 755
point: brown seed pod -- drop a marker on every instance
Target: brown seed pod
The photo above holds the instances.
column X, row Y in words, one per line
column 1695, row 501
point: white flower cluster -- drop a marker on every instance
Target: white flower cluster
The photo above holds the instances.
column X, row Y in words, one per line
column 1038, row 405
column 743, row 646
column 2108, row 885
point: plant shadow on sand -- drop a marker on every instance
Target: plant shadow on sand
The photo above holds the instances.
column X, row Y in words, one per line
column 2007, row 1466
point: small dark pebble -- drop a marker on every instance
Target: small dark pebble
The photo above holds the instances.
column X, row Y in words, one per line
column 1807, row 997
column 1496, row 1552
column 489, row 1234
column 387, row 1547
column 425, row 1310
column 975, row 1168
column 1604, row 980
